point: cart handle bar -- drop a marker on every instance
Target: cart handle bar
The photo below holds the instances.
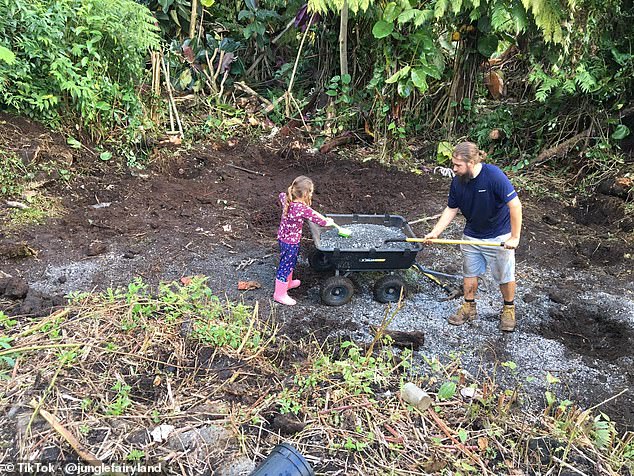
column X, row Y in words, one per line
column 439, row 241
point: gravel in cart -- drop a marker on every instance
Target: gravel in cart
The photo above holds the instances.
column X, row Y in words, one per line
column 364, row 237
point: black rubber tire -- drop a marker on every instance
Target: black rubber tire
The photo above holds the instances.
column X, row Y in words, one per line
column 337, row 291
column 388, row 288
column 319, row 262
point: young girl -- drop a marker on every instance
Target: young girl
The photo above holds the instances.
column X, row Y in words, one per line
column 296, row 207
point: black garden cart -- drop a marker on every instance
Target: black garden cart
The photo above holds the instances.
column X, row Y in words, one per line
column 344, row 259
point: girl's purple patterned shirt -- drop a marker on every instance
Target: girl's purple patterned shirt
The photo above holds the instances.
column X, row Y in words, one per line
column 291, row 225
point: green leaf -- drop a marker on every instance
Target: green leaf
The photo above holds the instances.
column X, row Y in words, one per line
column 440, row 8
column 408, row 15
column 166, row 4
column 621, row 132
column 251, row 4
column 207, row 3
column 551, row 379
column 423, row 17
column 444, row 151
column 7, row 55
column 398, row 75
column 430, row 70
column 518, row 13
column 331, row 92
column 447, row 390
column 419, row 79
column 185, row 78
column 381, row 29
column 391, row 12
column 74, row 143
column 404, row 88
column 510, row 364
column 487, row 45
column 346, row 79
column 462, row 434
column 105, row 156
column 245, row 14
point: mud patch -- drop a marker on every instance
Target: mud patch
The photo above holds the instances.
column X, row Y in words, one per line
column 601, row 252
column 599, row 210
column 590, row 331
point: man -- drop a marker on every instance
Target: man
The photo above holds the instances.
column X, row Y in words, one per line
column 488, row 201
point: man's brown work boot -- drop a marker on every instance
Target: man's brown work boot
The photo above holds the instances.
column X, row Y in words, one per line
column 507, row 318
column 466, row 313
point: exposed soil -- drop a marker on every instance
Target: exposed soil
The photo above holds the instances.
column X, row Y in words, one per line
column 213, row 210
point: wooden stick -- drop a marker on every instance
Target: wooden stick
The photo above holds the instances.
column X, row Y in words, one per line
column 242, row 85
column 424, row 219
column 443, row 426
column 171, row 97
column 246, row 170
column 68, row 436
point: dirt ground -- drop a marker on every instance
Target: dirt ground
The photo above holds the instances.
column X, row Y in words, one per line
column 212, row 210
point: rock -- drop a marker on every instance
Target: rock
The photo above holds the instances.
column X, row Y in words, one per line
column 96, row 248
column 559, row 297
column 15, row 288
column 413, row 339
column 34, row 304
column 138, row 437
column 286, row 424
column 551, row 220
column 529, row 298
column 212, row 435
column 238, row 465
column 627, row 224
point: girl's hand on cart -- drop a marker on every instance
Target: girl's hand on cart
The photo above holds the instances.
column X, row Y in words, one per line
column 329, row 221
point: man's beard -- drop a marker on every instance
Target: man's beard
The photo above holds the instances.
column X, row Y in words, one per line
column 466, row 178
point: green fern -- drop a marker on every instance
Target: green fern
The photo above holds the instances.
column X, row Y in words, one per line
column 440, row 8
column 548, row 15
column 500, row 17
column 324, row 6
column 584, row 79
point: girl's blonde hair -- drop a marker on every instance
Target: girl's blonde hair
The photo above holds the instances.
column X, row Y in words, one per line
column 467, row 152
column 301, row 189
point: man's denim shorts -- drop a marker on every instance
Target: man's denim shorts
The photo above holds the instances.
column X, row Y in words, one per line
column 500, row 260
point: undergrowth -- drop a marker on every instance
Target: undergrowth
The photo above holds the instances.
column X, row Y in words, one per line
column 133, row 358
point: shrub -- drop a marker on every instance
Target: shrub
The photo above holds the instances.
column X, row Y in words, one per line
column 80, row 59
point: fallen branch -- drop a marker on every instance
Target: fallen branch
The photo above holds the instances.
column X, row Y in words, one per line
column 68, row 436
column 443, row 426
column 433, row 217
column 342, row 139
column 241, row 85
column 247, row 170
column 561, row 149
column 19, row 205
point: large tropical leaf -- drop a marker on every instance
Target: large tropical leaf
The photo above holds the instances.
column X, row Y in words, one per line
column 381, row 29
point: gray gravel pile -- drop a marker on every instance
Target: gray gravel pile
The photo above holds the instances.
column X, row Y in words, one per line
column 364, row 237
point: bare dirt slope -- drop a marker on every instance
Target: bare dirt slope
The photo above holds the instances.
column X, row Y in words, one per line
column 212, row 210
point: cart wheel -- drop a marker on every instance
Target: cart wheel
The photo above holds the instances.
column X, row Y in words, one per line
column 318, row 260
column 388, row 288
column 337, row 291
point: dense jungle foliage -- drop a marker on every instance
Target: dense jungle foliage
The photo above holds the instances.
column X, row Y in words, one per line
column 531, row 81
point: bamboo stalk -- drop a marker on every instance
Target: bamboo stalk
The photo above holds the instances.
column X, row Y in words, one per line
column 171, row 97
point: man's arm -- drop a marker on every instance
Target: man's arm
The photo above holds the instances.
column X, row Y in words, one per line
column 515, row 208
column 447, row 216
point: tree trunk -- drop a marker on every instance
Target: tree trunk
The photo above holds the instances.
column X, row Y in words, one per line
column 343, row 39
column 192, row 19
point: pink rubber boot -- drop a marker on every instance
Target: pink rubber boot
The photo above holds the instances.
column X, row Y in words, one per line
column 281, row 293
column 293, row 283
